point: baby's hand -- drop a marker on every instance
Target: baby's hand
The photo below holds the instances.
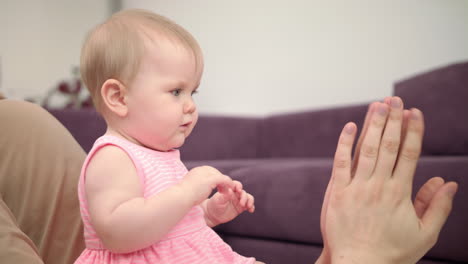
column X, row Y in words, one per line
column 201, row 181
column 227, row 204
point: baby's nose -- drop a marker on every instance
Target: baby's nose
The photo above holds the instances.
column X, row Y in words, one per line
column 190, row 107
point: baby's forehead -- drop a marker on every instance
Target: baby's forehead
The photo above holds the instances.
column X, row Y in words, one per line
column 160, row 37
column 159, row 40
column 154, row 37
column 152, row 34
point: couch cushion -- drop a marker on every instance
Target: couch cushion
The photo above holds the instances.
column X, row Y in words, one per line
column 288, row 195
column 274, row 251
column 442, row 95
column 280, row 252
column 227, row 166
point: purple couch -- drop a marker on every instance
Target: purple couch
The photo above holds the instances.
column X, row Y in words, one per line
column 285, row 162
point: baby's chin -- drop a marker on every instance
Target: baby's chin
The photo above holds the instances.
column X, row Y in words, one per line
column 168, row 146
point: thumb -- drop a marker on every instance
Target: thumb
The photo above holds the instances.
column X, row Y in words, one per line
column 440, row 207
column 425, row 194
column 323, row 213
column 222, row 197
column 224, row 183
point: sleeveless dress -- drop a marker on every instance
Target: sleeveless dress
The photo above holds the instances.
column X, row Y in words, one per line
column 190, row 241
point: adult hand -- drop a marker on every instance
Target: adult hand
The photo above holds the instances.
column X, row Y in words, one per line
column 368, row 215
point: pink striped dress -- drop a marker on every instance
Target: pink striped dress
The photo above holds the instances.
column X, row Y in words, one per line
column 190, row 241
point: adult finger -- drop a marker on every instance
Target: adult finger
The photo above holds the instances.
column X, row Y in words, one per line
column 410, row 150
column 390, row 143
column 362, row 135
column 425, row 194
column 371, row 143
column 323, row 213
column 439, row 209
column 342, row 161
column 404, row 127
column 406, row 114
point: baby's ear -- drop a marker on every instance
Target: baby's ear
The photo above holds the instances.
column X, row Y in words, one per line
column 113, row 95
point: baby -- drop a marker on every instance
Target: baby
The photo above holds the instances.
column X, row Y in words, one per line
column 139, row 204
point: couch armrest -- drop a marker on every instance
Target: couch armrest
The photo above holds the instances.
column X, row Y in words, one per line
column 307, row 134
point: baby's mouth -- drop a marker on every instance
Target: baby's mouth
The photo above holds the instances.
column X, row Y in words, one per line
column 187, row 124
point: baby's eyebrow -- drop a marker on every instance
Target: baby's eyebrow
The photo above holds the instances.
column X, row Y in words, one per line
column 183, row 85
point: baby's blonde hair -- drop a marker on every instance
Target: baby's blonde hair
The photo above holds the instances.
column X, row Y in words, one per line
column 115, row 48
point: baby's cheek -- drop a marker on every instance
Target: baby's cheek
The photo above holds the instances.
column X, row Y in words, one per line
column 188, row 132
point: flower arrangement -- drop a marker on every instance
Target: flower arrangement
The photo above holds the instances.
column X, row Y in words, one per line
column 70, row 93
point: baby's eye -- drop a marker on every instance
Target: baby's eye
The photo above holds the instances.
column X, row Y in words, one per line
column 194, row 92
column 176, row 92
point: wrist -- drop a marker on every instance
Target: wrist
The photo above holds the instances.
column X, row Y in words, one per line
column 184, row 190
column 208, row 217
column 324, row 257
column 358, row 258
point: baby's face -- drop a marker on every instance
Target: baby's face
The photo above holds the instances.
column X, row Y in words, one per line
column 161, row 109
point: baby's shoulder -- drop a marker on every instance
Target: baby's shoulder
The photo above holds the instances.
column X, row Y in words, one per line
column 108, row 163
column 109, row 154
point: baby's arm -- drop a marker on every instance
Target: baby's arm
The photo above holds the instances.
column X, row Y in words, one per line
column 123, row 219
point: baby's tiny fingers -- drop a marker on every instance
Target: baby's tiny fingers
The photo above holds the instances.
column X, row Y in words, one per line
column 224, row 183
column 250, row 203
column 237, row 186
column 243, row 199
column 228, row 182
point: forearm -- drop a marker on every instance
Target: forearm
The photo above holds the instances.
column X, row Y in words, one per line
column 140, row 222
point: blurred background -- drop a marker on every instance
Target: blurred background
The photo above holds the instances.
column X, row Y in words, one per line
column 261, row 57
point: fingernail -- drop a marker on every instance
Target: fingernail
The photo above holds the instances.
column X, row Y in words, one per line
column 414, row 114
column 396, row 102
column 387, row 100
column 382, row 109
column 349, row 129
column 452, row 190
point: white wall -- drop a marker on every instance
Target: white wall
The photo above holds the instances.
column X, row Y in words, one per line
column 261, row 56
column 41, row 42
column 267, row 56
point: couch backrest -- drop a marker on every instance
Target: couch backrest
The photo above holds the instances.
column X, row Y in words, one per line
column 293, row 135
column 442, row 95
column 86, row 125
column 307, row 133
column 222, row 137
